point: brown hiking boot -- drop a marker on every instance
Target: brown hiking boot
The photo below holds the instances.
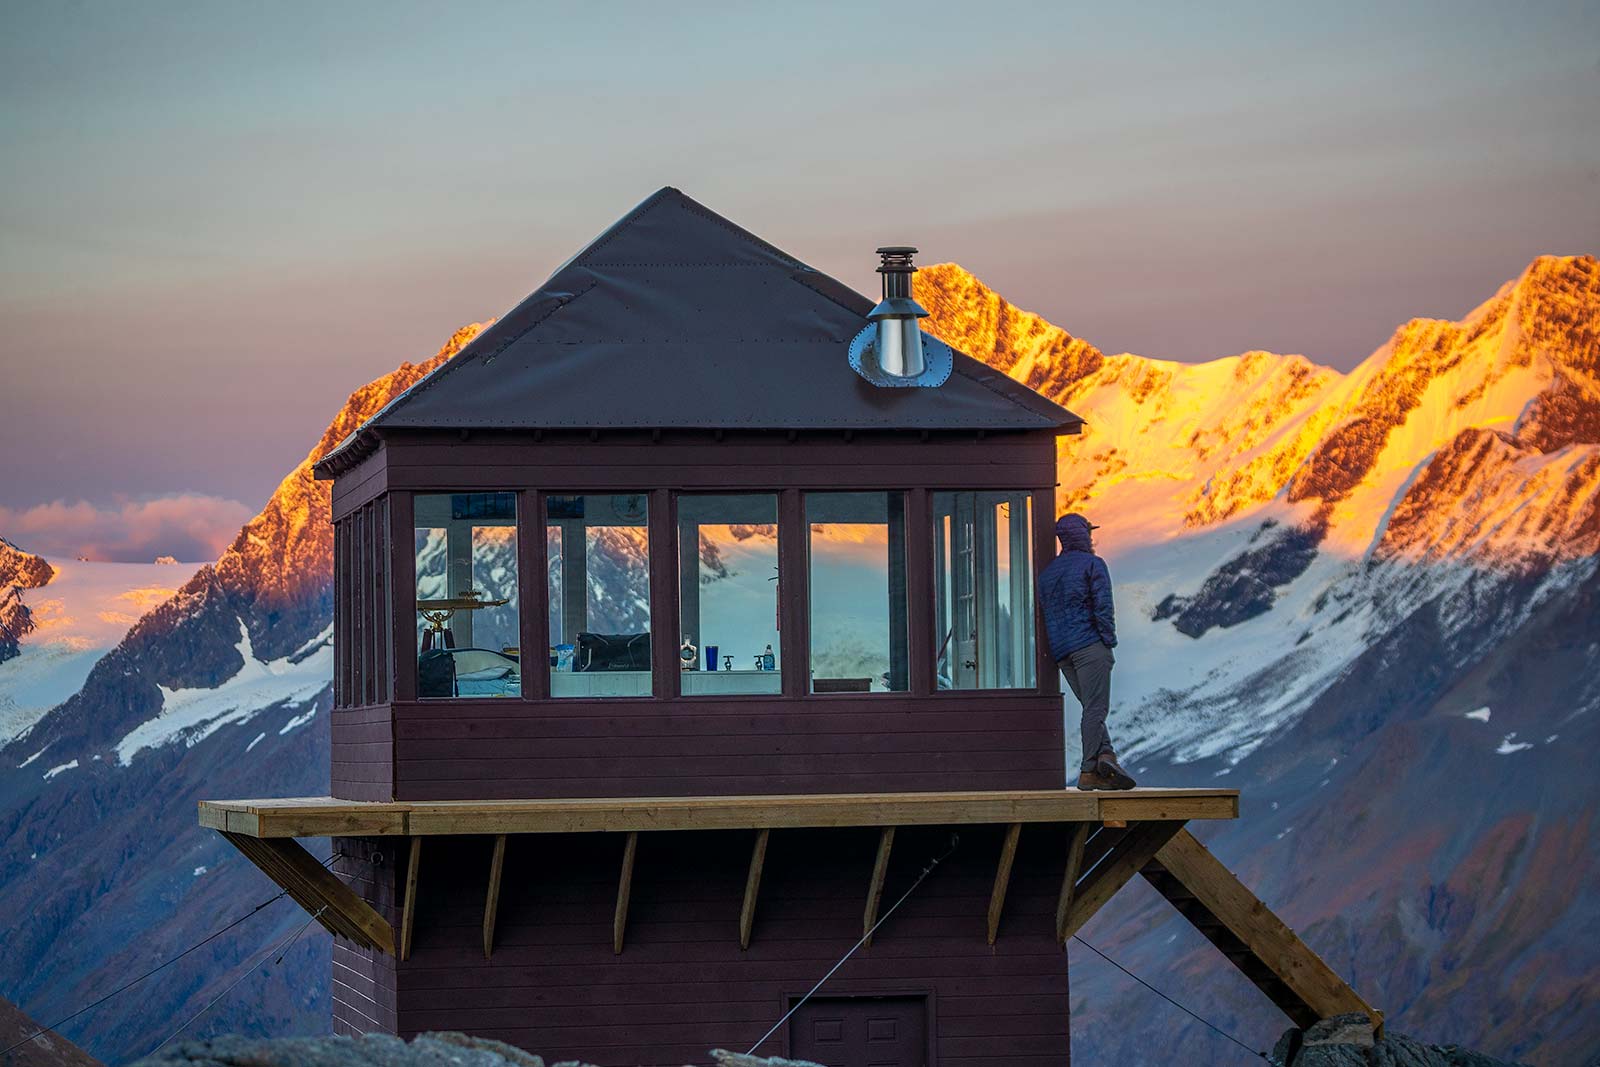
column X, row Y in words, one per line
column 1107, row 769
column 1089, row 781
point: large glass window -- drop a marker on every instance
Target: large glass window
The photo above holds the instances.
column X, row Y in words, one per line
column 983, row 590
column 466, row 600
column 599, row 552
column 857, row 558
column 728, row 591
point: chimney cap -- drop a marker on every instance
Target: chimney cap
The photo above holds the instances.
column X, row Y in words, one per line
column 897, row 259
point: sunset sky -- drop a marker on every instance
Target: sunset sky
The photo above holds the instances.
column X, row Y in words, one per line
column 216, row 219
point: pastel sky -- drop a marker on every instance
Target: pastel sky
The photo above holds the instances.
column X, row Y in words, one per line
column 218, row 218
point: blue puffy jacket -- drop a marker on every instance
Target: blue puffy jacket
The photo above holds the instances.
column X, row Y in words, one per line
column 1075, row 593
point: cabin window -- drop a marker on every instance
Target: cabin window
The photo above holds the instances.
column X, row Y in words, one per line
column 857, row 583
column 728, row 639
column 598, row 549
column 983, row 590
column 466, row 601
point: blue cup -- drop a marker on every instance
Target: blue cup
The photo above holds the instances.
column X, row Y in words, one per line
column 711, row 657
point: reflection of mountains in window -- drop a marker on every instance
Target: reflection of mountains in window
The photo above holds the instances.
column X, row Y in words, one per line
column 618, row 574
column 493, row 574
column 716, row 540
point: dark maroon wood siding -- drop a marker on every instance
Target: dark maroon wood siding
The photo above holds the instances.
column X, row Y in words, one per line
column 363, row 979
column 388, row 745
column 503, row 749
column 682, row 985
column 363, row 753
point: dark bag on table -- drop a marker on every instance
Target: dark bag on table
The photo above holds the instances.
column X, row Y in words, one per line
column 436, row 673
column 612, row 652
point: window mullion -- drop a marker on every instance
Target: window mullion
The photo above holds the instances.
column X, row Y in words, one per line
column 793, row 594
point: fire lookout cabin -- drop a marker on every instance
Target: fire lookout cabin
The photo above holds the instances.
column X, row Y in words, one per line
column 682, row 622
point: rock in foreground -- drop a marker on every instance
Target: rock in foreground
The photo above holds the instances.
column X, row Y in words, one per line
column 1347, row 1041
column 378, row 1050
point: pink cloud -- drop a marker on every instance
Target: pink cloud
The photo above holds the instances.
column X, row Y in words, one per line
column 192, row 527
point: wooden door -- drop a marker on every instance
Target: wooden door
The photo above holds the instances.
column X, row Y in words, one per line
column 861, row 1032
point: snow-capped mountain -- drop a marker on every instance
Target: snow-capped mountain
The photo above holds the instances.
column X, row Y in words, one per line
column 1368, row 599
column 58, row 619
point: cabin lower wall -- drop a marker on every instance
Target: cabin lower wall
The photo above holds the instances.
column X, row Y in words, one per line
column 682, row 985
column 363, row 753
column 505, row 750
column 363, row 979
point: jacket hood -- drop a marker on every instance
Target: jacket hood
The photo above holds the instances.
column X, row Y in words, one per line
column 1073, row 533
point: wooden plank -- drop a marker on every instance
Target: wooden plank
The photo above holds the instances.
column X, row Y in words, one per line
column 752, row 886
column 533, row 585
column 316, row 888
column 665, row 611
column 327, row 816
column 1044, row 550
column 1069, row 878
column 491, row 903
column 403, row 580
column 794, row 594
column 619, row 923
column 880, row 870
column 408, row 915
column 1111, row 874
column 1166, row 807
column 1266, row 937
column 1002, row 878
column 213, row 817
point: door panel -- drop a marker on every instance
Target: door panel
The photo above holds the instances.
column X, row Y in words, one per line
column 861, row 1032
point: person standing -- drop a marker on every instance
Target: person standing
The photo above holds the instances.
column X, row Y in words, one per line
column 1075, row 599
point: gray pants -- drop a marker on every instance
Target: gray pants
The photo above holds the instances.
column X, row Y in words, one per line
column 1088, row 673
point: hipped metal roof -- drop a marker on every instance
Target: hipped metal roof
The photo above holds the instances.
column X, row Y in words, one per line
column 677, row 317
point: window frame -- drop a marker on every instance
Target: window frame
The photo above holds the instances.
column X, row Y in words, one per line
column 664, row 564
column 408, row 516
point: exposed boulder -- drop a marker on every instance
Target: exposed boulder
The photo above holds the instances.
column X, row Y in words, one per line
column 1348, row 1041
column 378, row 1050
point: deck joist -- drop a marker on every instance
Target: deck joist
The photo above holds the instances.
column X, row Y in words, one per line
column 328, row 817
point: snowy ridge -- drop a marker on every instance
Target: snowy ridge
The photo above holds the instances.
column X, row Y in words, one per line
column 75, row 619
column 189, row 716
column 1268, row 521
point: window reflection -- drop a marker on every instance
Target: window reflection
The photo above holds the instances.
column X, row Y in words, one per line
column 466, row 599
column 599, row 602
column 983, row 604
column 857, row 592
column 728, row 590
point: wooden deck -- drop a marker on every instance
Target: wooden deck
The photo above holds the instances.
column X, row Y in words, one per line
column 1117, row 836
column 328, row 817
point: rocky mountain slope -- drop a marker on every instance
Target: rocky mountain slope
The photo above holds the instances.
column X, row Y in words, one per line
column 1370, row 599
column 19, row 571
column 36, row 1049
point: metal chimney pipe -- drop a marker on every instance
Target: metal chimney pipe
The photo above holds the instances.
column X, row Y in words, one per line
column 899, row 340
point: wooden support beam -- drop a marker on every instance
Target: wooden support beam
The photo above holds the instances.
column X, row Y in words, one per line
column 1250, row 935
column 752, row 886
column 317, row 889
column 1124, row 861
column 880, row 870
column 619, row 924
column 491, row 903
column 1002, row 878
column 1069, row 877
column 408, row 916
